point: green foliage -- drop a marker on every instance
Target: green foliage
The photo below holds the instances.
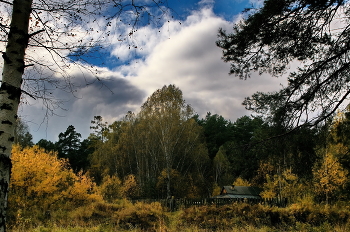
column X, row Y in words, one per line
column 103, row 158
column 221, row 166
column 269, row 39
column 69, row 146
column 244, row 150
column 47, row 145
column 163, row 136
column 217, row 131
column 100, row 128
column 22, row 134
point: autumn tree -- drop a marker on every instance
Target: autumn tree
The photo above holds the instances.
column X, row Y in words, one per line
column 331, row 172
column 169, row 119
column 312, row 34
column 164, row 137
column 45, row 35
column 221, row 166
column 283, row 185
column 41, row 182
column 339, row 135
column 329, row 176
column 103, row 160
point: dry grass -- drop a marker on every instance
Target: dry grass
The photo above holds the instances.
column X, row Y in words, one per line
column 125, row 216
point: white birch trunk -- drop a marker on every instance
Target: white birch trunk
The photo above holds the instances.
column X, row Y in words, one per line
column 10, row 93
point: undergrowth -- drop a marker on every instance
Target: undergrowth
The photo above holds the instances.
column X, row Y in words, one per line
column 125, row 216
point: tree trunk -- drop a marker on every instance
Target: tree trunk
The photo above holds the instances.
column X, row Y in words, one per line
column 10, row 93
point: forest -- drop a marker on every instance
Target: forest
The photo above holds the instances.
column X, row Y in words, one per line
column 166, row 150
column 294, row 145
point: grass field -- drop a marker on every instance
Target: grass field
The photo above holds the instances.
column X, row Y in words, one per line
column 125, row 216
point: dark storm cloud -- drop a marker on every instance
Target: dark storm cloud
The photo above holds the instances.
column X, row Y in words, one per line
column 110, row 98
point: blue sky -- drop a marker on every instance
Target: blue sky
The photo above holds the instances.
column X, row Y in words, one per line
column 222, row 8
column 180, row 49
column 178, row 10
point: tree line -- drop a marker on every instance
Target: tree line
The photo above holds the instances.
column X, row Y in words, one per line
column 167, row 150
column 267, row 40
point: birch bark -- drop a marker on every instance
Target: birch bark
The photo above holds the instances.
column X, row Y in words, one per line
column 10, row 93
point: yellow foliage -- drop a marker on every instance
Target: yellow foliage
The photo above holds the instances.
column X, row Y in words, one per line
column 285, row 185
column 329, row 175
column 269, row 188
column 111, row 188
column 216, row 190
column 241, row 182
column 130, row 187
column 44, row 182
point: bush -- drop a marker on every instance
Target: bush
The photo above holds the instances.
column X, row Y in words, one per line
column 242, row 214
column 146, row 217
column 43, row 185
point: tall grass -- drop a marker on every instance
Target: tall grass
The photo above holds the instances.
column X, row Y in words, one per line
column 152, row 217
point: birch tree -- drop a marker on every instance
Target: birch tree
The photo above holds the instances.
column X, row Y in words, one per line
column 52, row 31
column 10, row 93
column 163, row 139
column 171, row 124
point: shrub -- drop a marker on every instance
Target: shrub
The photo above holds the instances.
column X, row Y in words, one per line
column 42, row 185
column 242, row 214
column 146, row 217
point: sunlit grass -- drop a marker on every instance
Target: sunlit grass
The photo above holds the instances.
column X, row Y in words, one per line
column 242, row 217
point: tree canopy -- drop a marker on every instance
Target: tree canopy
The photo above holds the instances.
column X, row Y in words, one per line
column 313, row 34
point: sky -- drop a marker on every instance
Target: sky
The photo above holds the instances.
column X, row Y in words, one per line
column 179, row 50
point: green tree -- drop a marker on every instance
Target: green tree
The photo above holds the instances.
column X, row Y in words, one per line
column 170, row 121
column 221, row 167
column 244, row 150
column 217, row 131
column 103, row 159
column 339, row 134
column 100, row 128
column 163, row 136
column 22, row 134
column 47, row 145
column 269, row 39
column 69, row 146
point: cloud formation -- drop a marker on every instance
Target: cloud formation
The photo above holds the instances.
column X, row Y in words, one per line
column 180, row 52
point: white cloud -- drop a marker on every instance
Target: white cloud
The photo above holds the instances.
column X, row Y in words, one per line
column 191, row 61
column 181, row 53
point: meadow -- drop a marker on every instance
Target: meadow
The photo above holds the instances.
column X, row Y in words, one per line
column 153, row 217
